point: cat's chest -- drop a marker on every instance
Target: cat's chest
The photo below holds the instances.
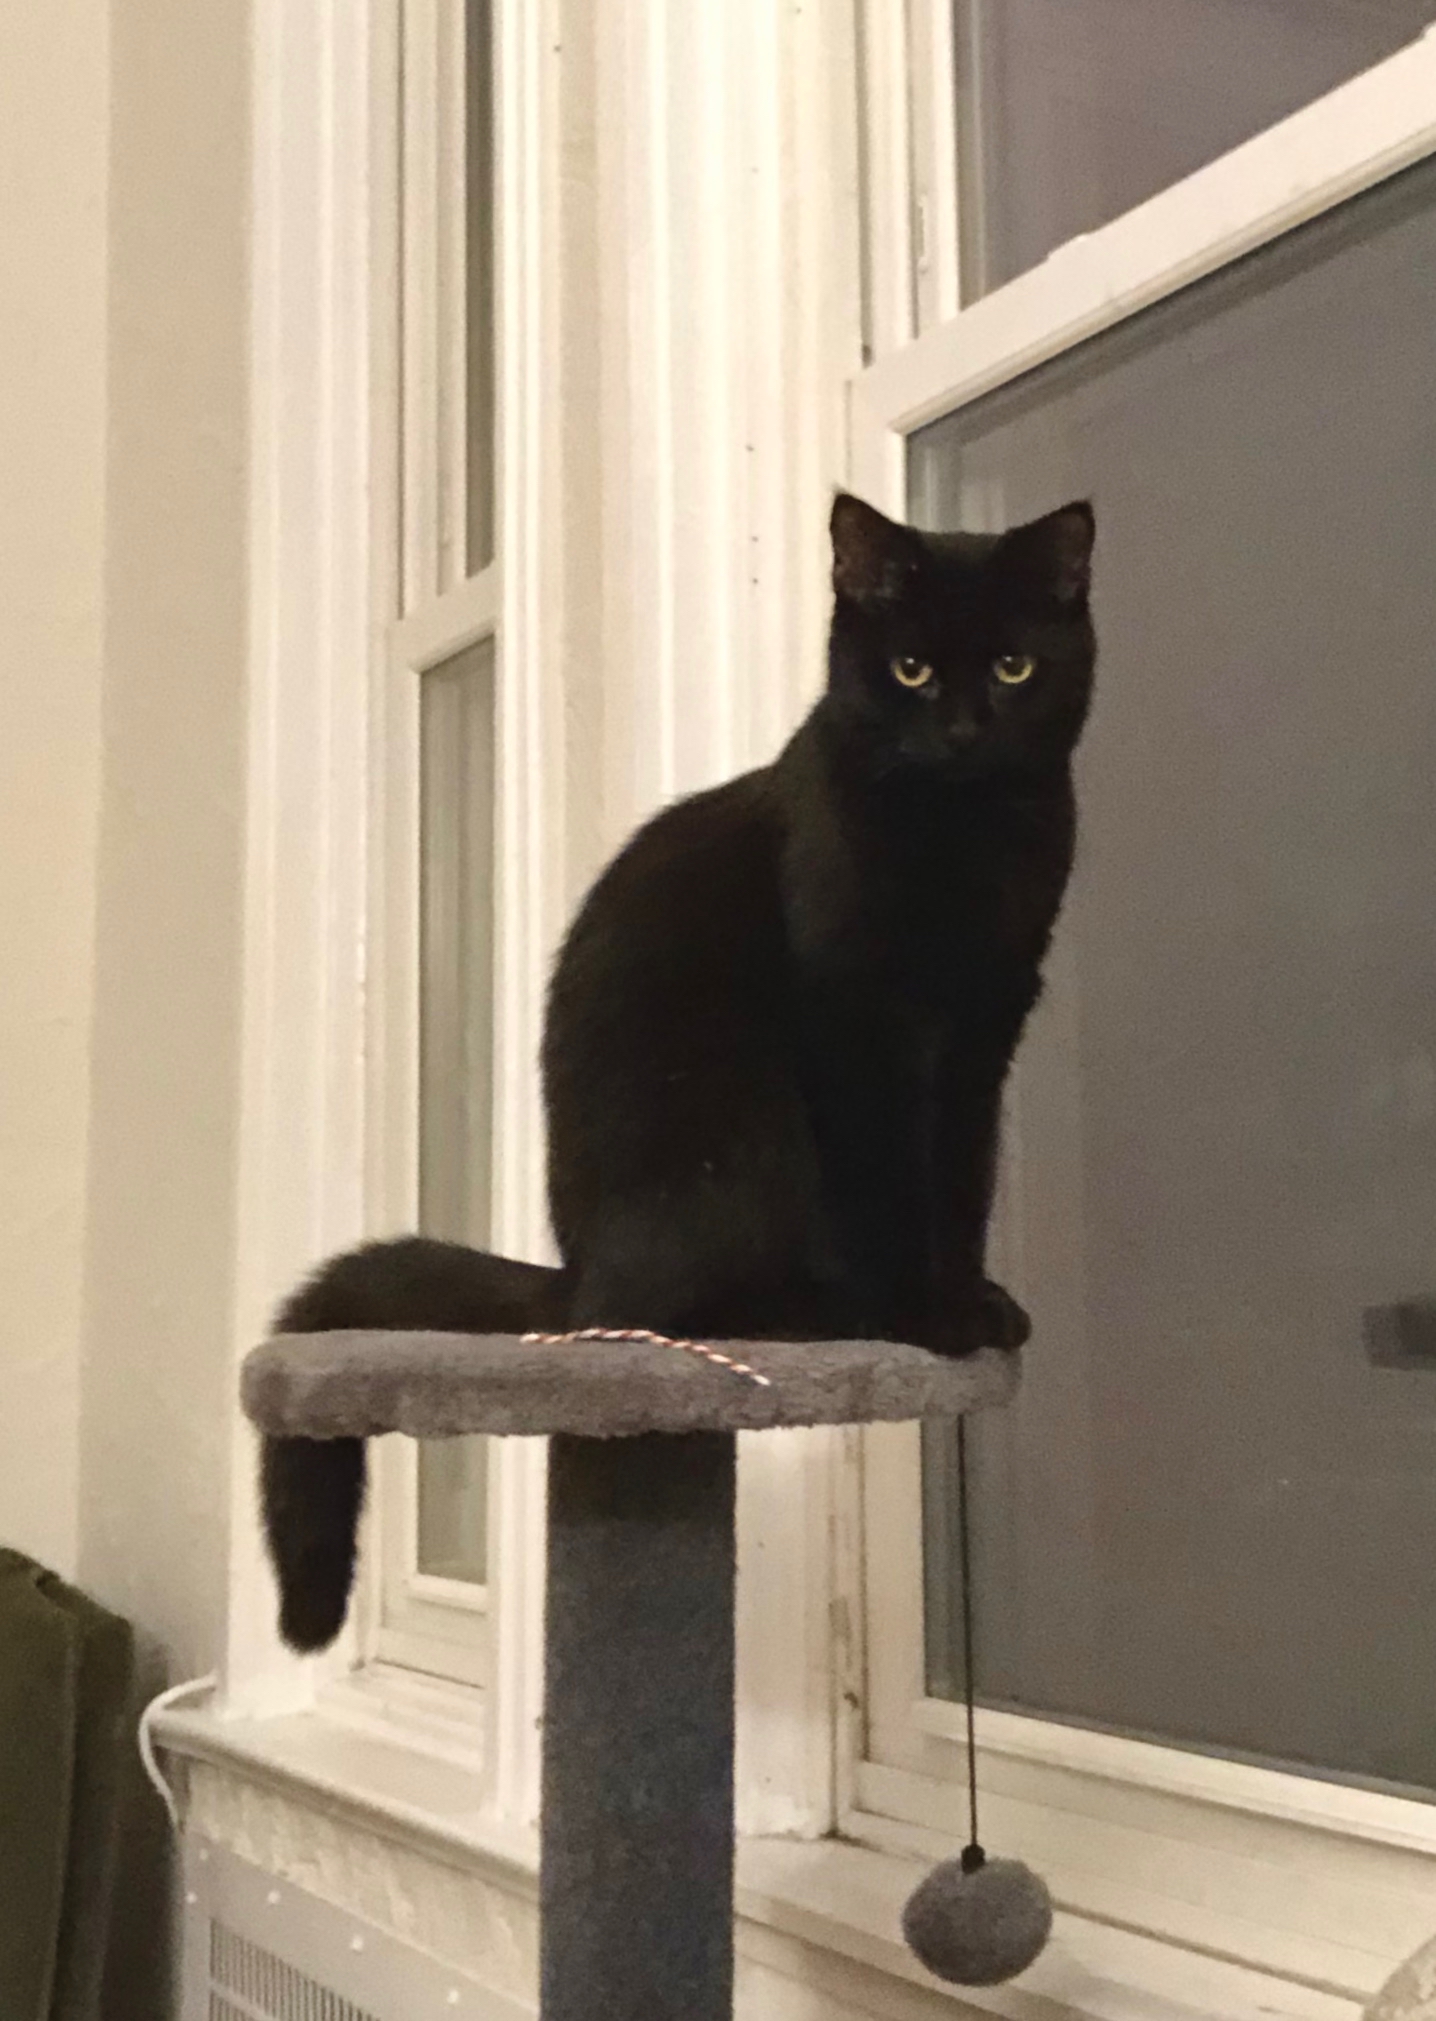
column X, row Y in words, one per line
column 971, row 902
column 934, row 923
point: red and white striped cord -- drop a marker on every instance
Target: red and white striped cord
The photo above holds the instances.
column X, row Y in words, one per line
column 642, row 1333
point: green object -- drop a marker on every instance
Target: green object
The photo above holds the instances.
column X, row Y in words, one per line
column 66, row 1673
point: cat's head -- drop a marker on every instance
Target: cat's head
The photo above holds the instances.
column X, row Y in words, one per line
column 961, row 655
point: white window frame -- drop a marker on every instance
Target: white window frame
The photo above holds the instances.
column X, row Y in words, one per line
column 328, row 1131
column 480, row 1641
column 1315, row 1882
column 682, row 337
column 701, row 634
column 428, row 609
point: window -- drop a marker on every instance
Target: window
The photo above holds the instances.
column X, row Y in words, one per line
column 1211, row 1477
column 438, row 760
column 1068, row 117
column 456, row 1046
column 1204, row 1536
column 664, row 340
column 694, row 367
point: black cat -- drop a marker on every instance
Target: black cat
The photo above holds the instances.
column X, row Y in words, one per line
column 779, row 1028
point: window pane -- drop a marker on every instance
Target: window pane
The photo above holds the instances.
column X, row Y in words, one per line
column 1212, row 1517
column 453, row 1509
column 479, row 290
column 455, row 1045
column 1070, row 115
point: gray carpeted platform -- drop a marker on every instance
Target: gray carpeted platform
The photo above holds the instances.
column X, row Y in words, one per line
column 437, row 1385
column 636, row 1885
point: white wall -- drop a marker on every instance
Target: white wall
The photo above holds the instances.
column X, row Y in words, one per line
column 164, row 1075
column 53, row 93
column 157, row 1354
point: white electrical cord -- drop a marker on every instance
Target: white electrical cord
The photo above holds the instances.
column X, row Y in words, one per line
column 145, row 1737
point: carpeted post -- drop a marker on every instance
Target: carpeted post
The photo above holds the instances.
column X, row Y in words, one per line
column 636, row 1883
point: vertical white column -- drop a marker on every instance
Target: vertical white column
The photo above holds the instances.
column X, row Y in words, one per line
column 301, row 1161
column 729, row 320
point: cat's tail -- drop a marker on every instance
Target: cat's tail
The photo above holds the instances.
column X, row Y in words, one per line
column 312, row 1490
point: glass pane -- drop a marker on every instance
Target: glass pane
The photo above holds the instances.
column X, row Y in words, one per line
column 1212, row 1516
column 1070, row 115
column 453, row 1509
column 479, row 289
column 456, row 717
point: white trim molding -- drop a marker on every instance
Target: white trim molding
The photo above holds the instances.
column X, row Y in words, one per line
column 301, row 1164
column 538, row 535
column 728, row 227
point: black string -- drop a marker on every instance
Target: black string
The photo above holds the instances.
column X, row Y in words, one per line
column 973, row 1856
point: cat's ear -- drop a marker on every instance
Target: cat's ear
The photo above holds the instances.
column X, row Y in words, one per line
column 1052, row 556
column 874, row 558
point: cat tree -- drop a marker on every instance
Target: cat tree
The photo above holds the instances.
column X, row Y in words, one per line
column 636, row 1881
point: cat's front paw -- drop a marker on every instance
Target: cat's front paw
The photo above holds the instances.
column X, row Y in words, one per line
column 990, row 1318
column 1004, row 1323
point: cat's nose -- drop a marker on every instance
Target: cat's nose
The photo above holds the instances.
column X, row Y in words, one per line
column 961, row 731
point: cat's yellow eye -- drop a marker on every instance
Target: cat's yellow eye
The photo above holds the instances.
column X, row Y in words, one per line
column 911, row 673
column 1014, row 668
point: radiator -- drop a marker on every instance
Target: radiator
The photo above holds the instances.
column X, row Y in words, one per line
column 259, row 1949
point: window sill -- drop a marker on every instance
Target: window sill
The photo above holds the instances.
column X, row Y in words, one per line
column 412, row 1790
column 825, row 1913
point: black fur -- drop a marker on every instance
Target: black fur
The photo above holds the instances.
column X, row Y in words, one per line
column 779, row 1028
column 313, row 1489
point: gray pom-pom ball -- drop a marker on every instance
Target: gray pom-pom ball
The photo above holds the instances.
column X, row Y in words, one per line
column 978, row 1927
